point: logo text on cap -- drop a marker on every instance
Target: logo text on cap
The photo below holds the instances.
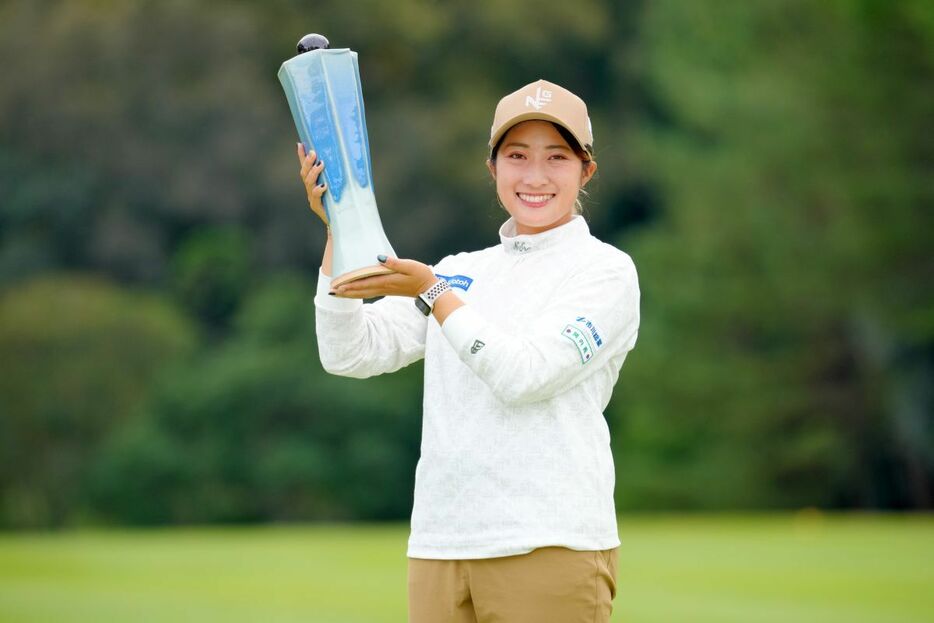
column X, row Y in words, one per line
column 542, row 97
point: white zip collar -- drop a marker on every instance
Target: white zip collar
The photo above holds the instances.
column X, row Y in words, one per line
column 523, row 244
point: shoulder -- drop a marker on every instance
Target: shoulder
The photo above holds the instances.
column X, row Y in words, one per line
column 607, row 260
column 598, row 271
column 466, row 259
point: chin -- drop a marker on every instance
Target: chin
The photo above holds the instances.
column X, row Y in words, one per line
column 539, row 221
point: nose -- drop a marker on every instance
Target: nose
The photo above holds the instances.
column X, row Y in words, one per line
column 535, row 173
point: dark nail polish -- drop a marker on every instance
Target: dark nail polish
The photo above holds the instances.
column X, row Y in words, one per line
column 332, row 294
column 381, row 258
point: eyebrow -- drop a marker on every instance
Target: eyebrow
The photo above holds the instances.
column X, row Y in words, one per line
column 564, row 147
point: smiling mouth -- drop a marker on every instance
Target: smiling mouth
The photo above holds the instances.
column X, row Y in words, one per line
column 534, row 201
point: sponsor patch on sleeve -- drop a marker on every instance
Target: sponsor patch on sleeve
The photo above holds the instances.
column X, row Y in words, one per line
column 585, row 336
column 592, row 329
column 457, row 281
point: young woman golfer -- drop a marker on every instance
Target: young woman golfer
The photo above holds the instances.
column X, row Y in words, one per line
column 513, row 518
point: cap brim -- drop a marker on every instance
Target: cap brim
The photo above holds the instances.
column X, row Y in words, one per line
column 535, row 116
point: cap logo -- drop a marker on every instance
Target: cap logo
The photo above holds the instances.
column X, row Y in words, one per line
column 542, row 97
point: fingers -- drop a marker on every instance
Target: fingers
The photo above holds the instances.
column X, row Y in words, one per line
column 399, row 265
column 316, row 191
column 310, row 176
column 310, row 170
column 371, row 287
column 419, row 277
column 409, row 277
column 309, row 164
column 346, row 293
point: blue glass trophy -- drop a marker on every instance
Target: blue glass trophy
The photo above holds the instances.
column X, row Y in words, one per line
column 323, row 89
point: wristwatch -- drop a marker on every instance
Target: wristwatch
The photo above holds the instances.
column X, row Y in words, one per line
column 426, row 300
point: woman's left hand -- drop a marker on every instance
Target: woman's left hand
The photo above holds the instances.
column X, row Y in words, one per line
column 410, row 278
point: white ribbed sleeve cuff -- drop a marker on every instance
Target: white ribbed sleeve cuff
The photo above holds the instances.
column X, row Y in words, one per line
column 332, row 303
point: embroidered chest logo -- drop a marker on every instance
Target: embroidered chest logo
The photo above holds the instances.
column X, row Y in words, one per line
column 542, row 97
column 477, row 345
column 521, row 246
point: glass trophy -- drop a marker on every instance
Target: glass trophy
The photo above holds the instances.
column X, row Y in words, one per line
column 324, row 94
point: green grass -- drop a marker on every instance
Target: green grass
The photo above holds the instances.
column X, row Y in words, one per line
column 756, row 568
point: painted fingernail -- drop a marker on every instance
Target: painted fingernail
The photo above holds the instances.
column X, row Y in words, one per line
column 332, row 293
column 381, row 258
column 321, row 185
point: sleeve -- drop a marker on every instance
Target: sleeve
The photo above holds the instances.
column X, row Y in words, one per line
column 594, row 317
column 362, row 340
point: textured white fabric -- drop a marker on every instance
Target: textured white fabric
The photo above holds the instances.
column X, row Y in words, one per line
column 515, row 449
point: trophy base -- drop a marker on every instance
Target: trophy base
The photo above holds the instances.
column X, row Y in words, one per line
column 360, row 273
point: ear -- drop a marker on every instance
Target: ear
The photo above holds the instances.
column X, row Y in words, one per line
column 589, row 171
column 491, row 167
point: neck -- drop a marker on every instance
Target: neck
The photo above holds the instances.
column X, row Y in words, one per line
column 523, row 230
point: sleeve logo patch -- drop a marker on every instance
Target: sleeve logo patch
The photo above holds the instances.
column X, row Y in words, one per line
column 585, row 336
column 477, row 345
column 581, row 340
column 592, row 328
column 457, row 281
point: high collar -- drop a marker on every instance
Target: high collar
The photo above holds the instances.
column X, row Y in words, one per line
column 523, row 244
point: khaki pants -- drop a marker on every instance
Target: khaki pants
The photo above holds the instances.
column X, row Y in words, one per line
column 549, row 584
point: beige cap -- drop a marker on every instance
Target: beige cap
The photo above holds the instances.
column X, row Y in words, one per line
column 546, row 101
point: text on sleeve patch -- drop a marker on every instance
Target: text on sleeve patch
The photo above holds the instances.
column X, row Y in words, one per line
column 585, row 336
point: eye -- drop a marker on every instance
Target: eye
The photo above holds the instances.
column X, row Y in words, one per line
column 516, row 156
column 559, row 156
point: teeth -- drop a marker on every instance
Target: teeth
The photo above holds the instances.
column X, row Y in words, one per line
column 534, row 198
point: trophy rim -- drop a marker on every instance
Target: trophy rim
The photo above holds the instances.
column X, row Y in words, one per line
column 360, row 273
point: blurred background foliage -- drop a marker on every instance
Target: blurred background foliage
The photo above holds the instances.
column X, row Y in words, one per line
column 766, row 165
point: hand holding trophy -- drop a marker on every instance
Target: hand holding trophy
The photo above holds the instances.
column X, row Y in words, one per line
column 310, row 169
column 323, row 89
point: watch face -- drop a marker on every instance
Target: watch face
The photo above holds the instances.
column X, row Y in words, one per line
column 422, row 306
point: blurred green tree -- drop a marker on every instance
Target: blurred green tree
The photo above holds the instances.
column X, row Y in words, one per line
column 256, row 430
column 211, row 272
column 126, row 125
column 787, row 340
column 79, row 355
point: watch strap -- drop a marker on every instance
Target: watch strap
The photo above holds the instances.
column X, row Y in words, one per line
column 429, row 296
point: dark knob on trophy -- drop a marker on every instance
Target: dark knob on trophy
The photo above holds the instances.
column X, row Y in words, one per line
column 312, row 41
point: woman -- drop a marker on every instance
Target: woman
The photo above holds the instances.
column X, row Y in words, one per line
column 513, row 518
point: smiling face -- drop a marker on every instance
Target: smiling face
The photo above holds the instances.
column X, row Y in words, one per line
column 538, row 176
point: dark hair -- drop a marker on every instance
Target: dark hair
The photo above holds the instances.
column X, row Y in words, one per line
column 565, row 134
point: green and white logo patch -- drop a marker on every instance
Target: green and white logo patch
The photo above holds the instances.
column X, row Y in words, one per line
column 581, row 340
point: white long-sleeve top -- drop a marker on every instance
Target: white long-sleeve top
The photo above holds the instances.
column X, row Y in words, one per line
column 515, row 450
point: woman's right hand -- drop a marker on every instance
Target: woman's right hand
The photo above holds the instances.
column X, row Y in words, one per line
column 310, row 172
